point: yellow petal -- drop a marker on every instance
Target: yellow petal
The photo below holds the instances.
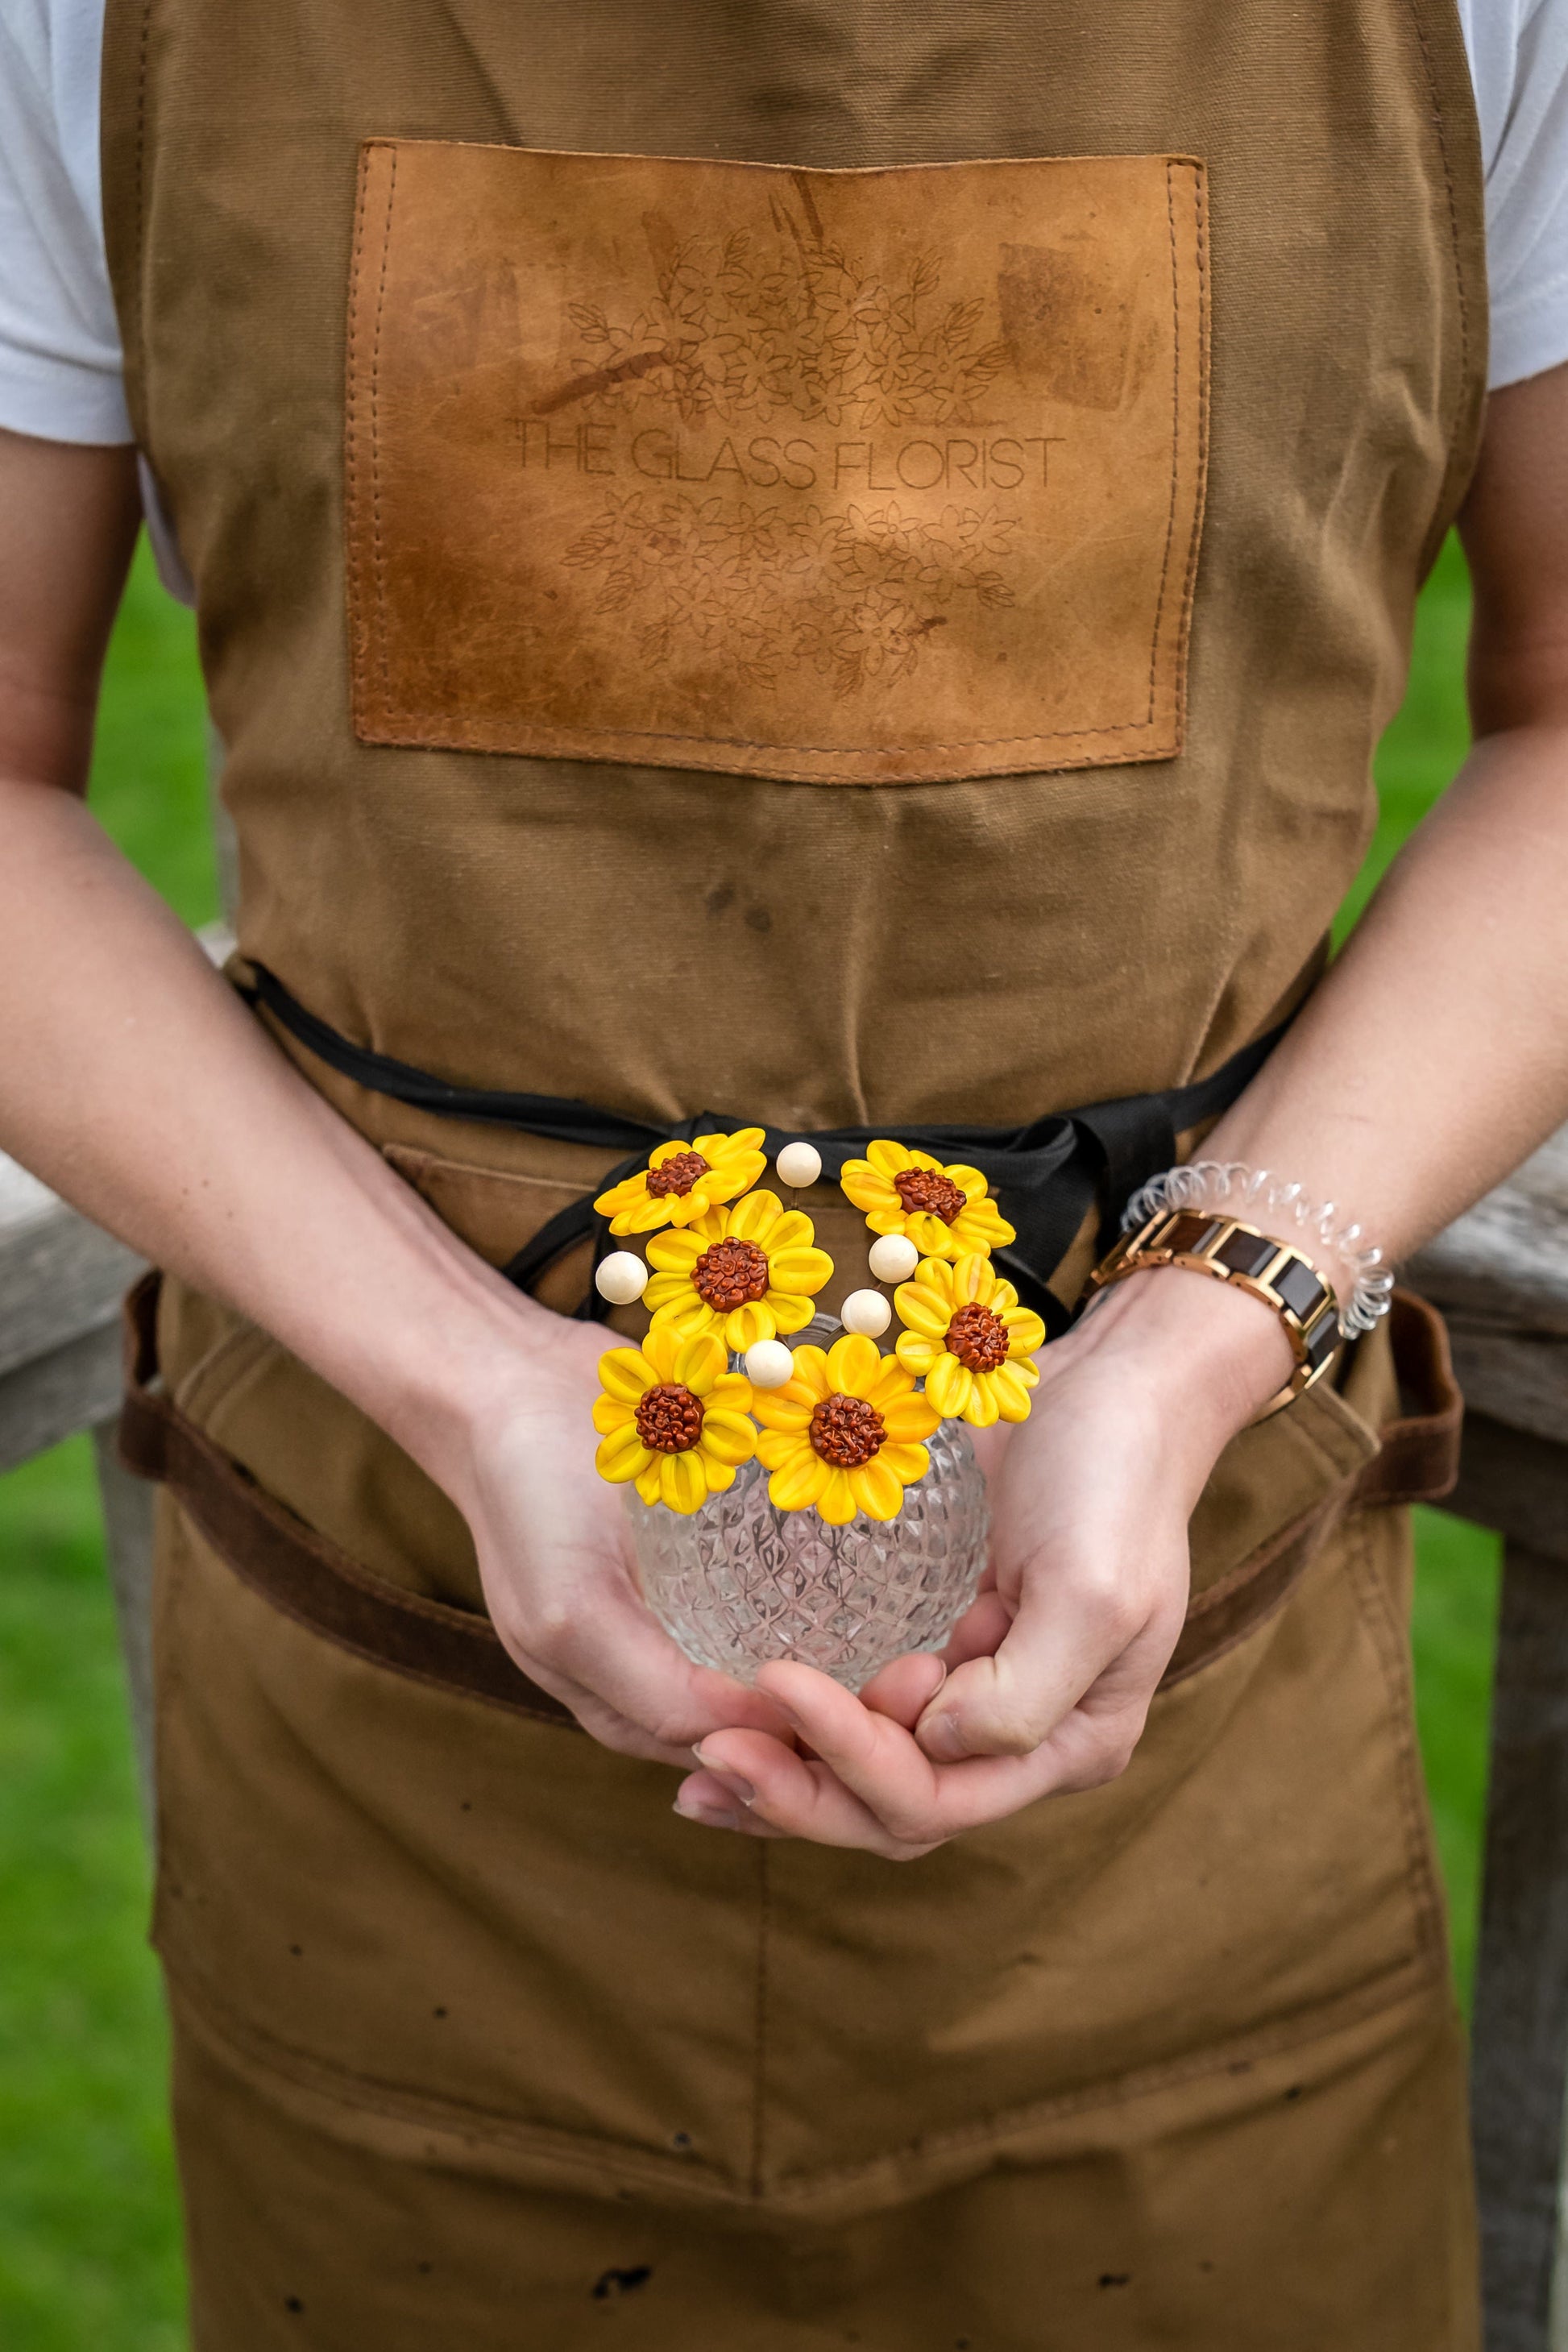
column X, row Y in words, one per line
column 891, row 1158
column 663, row 1287
column 922, row 1307
column 837, row 1500
column 893, row 1381
column 972, row 1280
column 810, row 1374
column 663, row 1152
column 917, row 1353
column 929, row 1234
column 731, row 1394
column 885, row 1220
column 789, row 1313
column 948, row 1384
column 720, row 1475
column 744, row 1326
column 728, row 1436
column 622, row 1457
column 985, row 1406
column 715, row 1148
column 676, row 1252
column 1026, row 1332
column 624, row 1195
column 794, row 1230
column 983, row 1227
column 610, row 1414
column 877, row 1489
column 911, row 1418
column 625, row 1373
column 684, row 1315
column 862, row 1185
column 777, row 1448
column 795, row 1485
column 642, row 1217
column 701, row 1362
column 969, row 1182
column 853, row 1363
column 662, row 1349
column 682, row 1485
column 802, row 1271
column 649, row 1480
column 1012, row 1391
column 725, row 1180
column 906, row 1462
column 753, row 1219
column 790, row 1407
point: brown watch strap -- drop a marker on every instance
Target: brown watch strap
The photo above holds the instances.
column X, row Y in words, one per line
column 1268, row 1269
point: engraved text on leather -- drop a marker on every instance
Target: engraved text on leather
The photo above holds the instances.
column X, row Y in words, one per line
column 859, row 476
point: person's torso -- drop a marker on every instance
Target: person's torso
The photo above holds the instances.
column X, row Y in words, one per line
column 896, row 634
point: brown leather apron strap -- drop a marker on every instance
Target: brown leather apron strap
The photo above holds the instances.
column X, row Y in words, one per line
column 1417, row 1462
column 289, row 1563
column 321, row 1587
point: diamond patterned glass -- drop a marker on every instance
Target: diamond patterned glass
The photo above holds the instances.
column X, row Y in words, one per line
column 739, row 1582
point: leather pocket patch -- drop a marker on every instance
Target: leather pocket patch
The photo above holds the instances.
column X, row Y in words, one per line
column 844, row 477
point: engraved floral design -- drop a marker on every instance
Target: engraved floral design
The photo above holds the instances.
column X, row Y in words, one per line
column 849, row 594
column 750, row 326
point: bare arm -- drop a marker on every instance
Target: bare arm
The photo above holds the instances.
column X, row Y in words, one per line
column 133, row 1082
column 1431, row 1060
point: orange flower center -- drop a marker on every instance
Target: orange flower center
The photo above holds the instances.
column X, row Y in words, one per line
column 731, row 1274
column 676, row 1175
column 669, row 1418
column 846, row 1430
column 978, row 1339
column 929, row 1188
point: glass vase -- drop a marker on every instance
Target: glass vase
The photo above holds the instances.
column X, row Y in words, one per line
column 739, row 1581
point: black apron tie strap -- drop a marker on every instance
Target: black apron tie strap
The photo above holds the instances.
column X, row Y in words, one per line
column 1046, row 1176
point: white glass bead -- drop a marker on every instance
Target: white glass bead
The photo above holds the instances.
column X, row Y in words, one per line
column 799, row 1164
column 769, row 1364
column 622, row 1277
column 894, row 1258
column 866, row 1313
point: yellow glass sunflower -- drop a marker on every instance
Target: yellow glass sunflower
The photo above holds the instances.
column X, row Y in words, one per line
column 673, row 1419
column 683, row 1181
column 845, row 1433
column 966, row 1333
column 746, row 1273
column 945, row 1212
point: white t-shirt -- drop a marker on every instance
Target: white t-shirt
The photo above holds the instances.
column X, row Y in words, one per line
column 59, row 343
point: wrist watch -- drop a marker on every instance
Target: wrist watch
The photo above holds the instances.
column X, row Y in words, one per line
column 1255, row 1262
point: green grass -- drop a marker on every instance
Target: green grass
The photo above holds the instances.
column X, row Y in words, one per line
column 88, row 2236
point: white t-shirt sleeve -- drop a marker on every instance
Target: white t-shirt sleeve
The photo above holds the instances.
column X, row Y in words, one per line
column 60, row 373
column 60, row 346
column 1519, row 64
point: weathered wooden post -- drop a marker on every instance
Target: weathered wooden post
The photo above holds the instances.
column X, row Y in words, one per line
column 1501, row 1275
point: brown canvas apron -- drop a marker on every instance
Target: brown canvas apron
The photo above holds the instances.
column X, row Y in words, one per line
column 890, row 627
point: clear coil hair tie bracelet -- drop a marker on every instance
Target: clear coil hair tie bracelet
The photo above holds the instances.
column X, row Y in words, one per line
column 1227, row 1187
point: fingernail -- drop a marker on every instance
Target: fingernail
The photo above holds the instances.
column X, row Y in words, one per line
column 942, row 1739
column 732, row 1780
column 710, row 1817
